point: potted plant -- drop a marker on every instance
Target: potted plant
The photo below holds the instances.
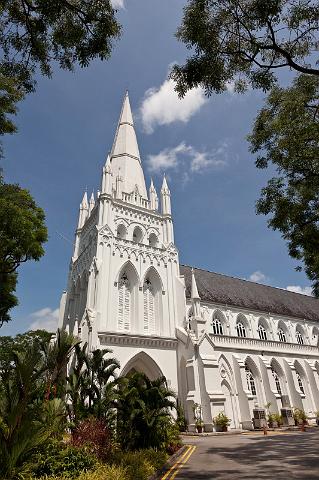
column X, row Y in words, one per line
column 272, row 423
column 300, row 416
column 221, row 422
column 278, row 419
column 199, row 424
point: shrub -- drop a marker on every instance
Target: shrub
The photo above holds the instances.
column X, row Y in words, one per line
column 60, row 460
column 300, row 416
column 221, row 420
column 140, row 465
column 105, row 472
column 95, row 436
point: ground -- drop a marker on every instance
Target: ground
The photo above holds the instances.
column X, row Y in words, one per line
column 289, row 455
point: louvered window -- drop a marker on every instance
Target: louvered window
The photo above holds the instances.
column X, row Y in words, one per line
column 299, row 337
column 124, row 312
column 262, row 333
column 277, row 381
column 300, row 383
column 282, row 335
column 250, row 381
column 217, row 327
column 149, row 307
column 241, row 330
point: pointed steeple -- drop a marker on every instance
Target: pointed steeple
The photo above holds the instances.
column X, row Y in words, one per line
column 107, row 176
column 165, row 198
column 125, row 153
column 165, row 188
column 153, row 197
column 194, row 292
column 195, row 297
column 92, row 203
column 83, row 210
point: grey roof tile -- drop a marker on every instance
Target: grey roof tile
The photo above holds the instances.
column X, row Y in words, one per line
column 218, row 288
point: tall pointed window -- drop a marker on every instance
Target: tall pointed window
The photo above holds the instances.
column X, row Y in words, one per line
column 217, row 327
column 277, row 381
column 299, row 337
column 149, row 307
column 262, row 332
column 125, row 300
column 241, row 330
column 300, row 384
column 282, row 335
column 250, row 381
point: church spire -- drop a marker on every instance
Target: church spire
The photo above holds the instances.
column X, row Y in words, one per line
column 195, row 297
column 125, row 153
column 165, row 198
column 153, row 196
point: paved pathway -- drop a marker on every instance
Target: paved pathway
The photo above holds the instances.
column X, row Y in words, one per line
column 290, row 455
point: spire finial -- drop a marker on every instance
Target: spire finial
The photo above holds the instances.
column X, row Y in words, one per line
column 194, row 292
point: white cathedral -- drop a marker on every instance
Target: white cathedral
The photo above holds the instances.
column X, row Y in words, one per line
column 221, row 342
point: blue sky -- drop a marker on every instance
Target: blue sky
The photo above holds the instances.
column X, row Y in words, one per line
column 67, row 127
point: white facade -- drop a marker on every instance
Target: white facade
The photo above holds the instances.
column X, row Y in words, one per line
column 125, row 292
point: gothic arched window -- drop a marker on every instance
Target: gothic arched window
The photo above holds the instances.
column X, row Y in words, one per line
column 262, row 332
column 125, row 300
column 281, row 335
column 149, row 306
column 300, row 384
column 217, row 327
column 277, row 381
column 241, row 330
column 299, row 337
column 250, row 381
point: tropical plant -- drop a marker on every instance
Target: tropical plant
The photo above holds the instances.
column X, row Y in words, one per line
column 57, row 356
column 181, row 420
column 91, row 385
column 143, row 411
column 26, row 422
column 95, row 435
column 221, row 420
column 300, row 416
column 58, row 459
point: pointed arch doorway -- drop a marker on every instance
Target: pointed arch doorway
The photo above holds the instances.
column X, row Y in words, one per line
column 143, row 363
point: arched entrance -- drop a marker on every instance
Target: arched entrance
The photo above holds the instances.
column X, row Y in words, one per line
column 142, row 362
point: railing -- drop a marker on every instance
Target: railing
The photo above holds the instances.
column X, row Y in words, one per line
column 227, row 341
column 135, row 200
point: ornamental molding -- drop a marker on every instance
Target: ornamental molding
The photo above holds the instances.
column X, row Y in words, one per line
column 137, row 341
column 227, row 342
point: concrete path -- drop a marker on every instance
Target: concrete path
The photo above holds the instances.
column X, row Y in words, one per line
column 288, row 455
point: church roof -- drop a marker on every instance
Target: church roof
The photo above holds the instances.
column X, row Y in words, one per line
column 218, row 288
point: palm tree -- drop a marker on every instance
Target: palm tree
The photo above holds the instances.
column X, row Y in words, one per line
column 144, row 411
column 58, row 355
column 25, row 421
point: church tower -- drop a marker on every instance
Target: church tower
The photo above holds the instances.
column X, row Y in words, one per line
column 124, row 289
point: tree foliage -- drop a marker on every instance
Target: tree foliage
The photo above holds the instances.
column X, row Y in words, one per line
column 22, row 235
column 34, row 34
column 286, row 135
column 144, row 412
column 245, row 42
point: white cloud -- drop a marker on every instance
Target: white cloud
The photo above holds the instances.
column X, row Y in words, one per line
column 258, row 277
column 45, row 319
column 117, row 3
column 162, row 106
column 298, row 289
column 188, row 158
